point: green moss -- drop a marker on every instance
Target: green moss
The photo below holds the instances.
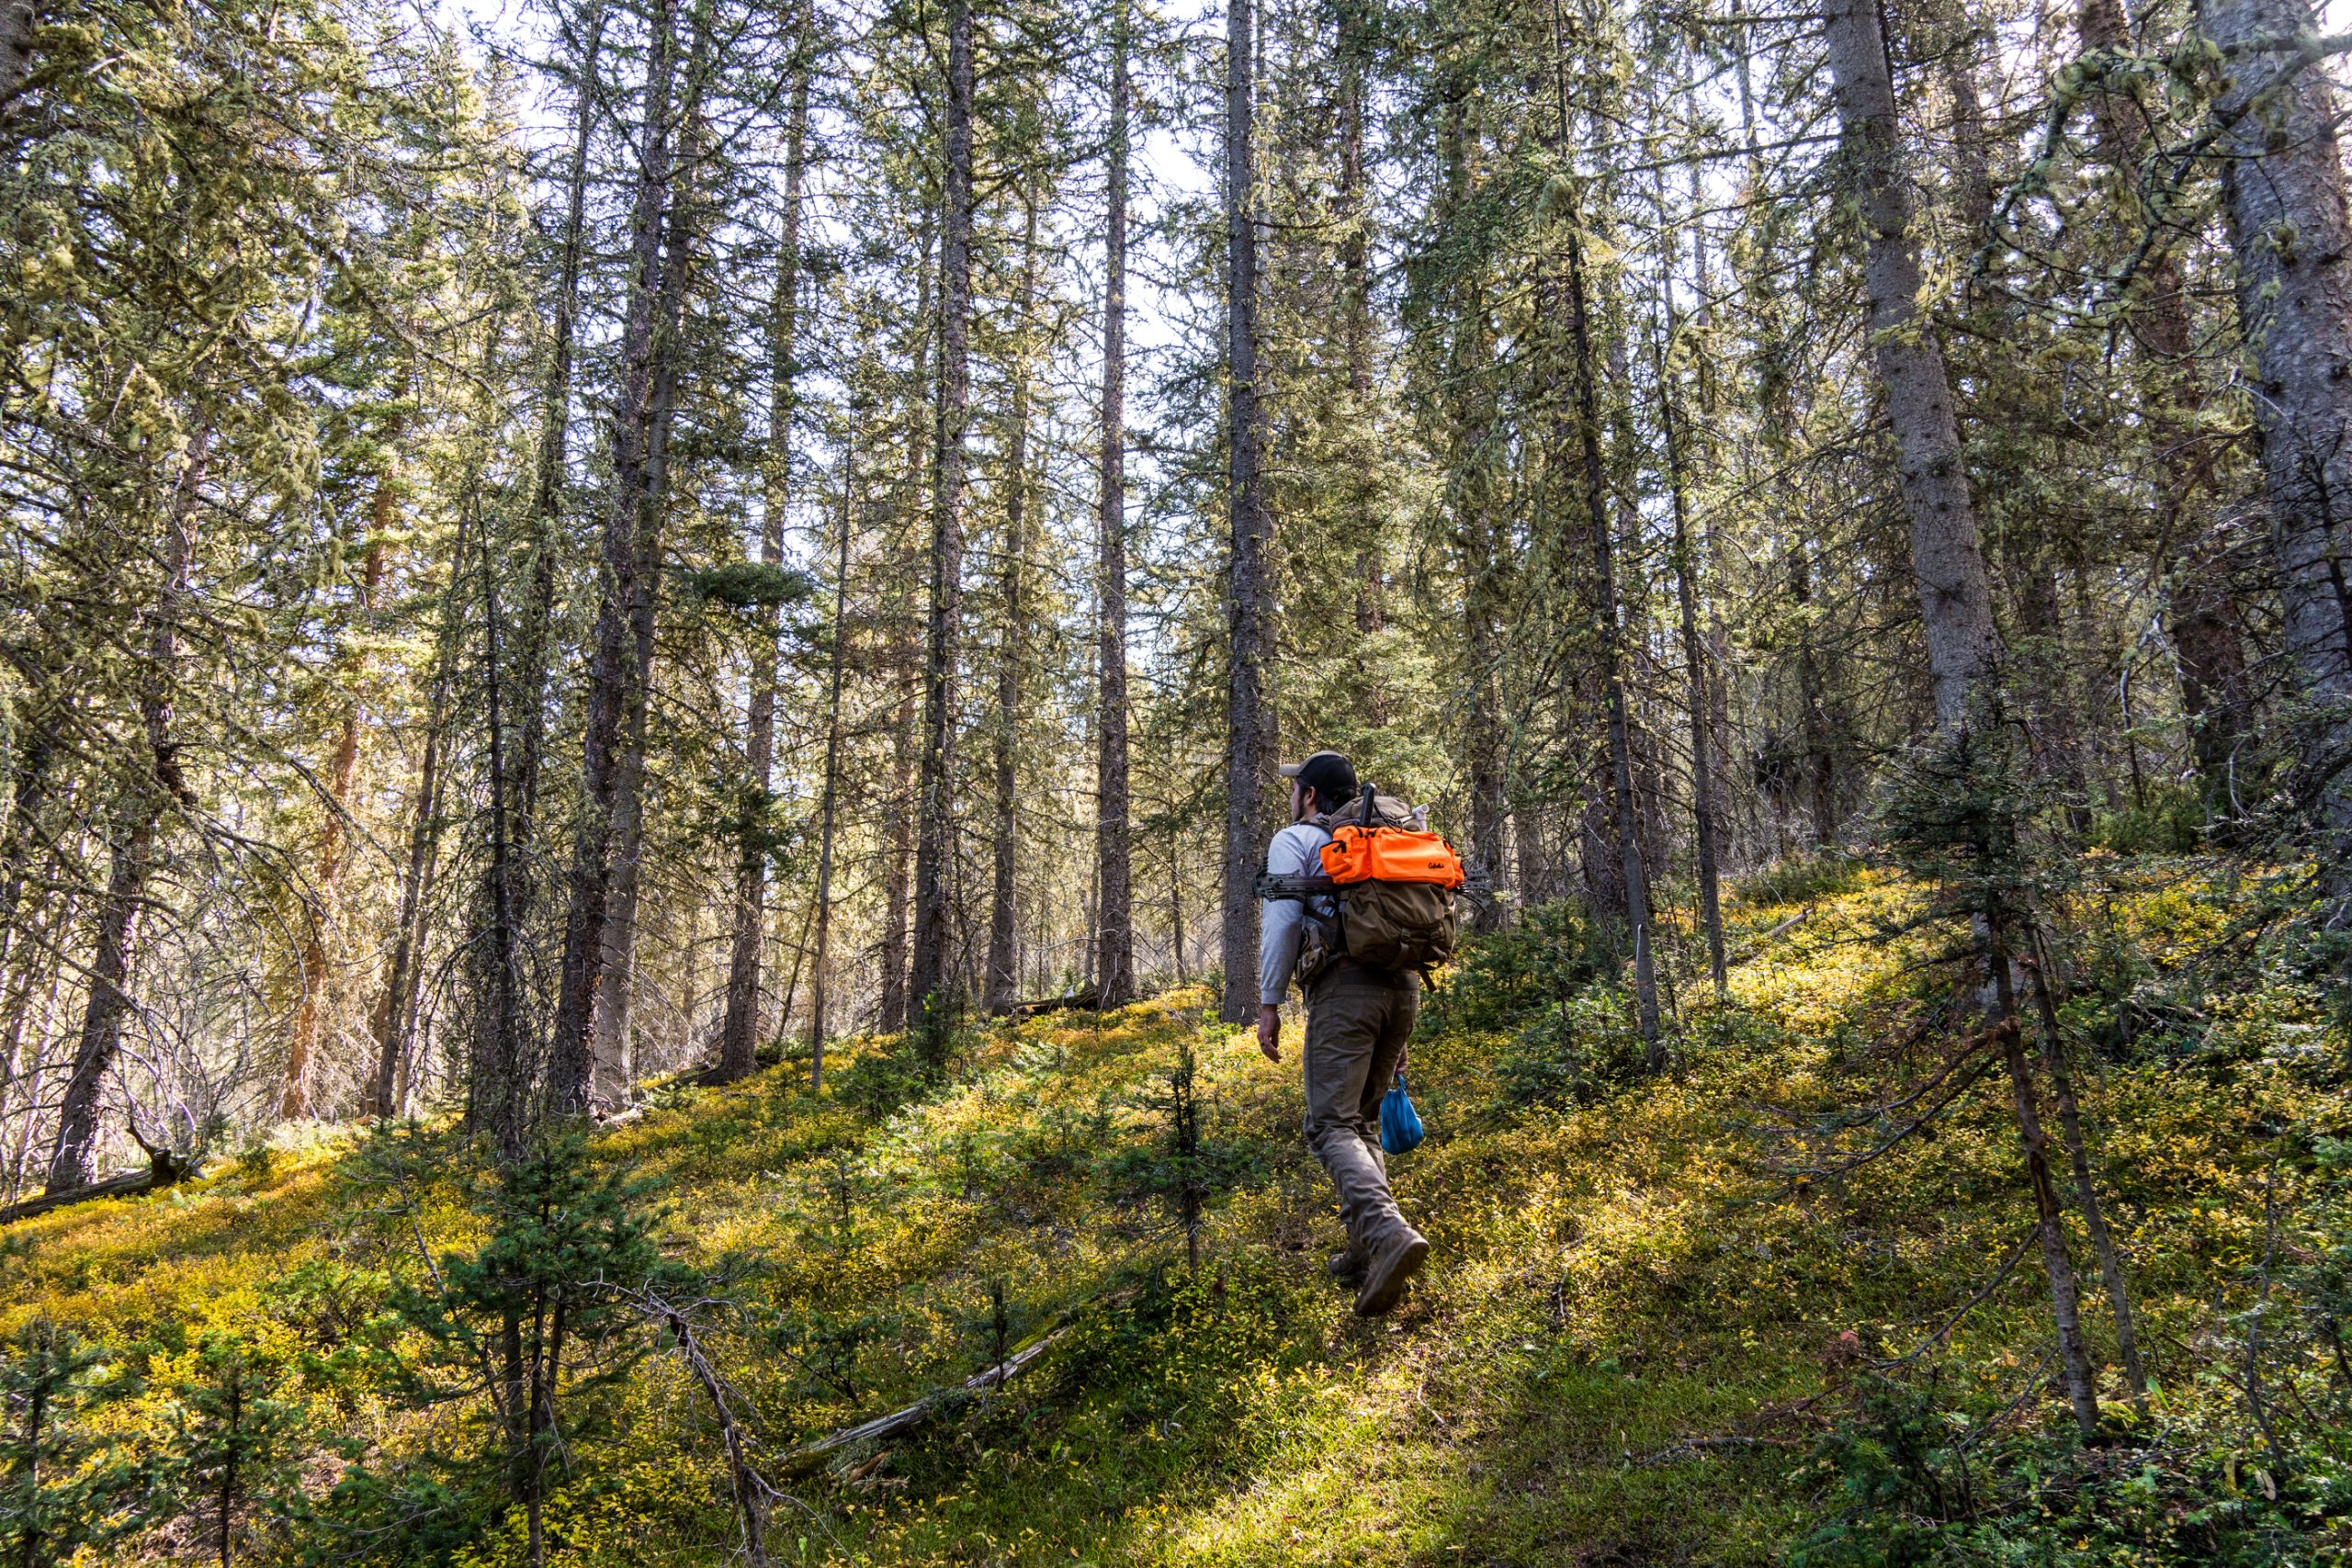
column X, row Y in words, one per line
column 1643, row 1338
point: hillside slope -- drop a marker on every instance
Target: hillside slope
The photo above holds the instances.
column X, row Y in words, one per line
column 1658, row 1326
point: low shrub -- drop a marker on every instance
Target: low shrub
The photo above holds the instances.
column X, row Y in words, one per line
column 2170, row 821
column 1576, row 1052
column 1502, row 982
column 1798, row 879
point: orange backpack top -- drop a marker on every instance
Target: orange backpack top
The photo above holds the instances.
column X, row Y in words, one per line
column 1392, row 885
column 1380, row 853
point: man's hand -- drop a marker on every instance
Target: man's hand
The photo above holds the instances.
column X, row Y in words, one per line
column 1270, row 1032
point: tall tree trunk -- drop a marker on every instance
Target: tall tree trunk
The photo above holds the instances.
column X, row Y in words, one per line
column 1694, row 664
column 43, row 925
column 899, row 845
column 1947, row 555
column 1002, row 982
column 829, row 812
column 1956, row 55
column 2054, row 668
column 29, row 785
column 497, row 1089
column 1482, row 628
column 630, row 565
column 1600, row 867
column 612, row 1028
column 21, row 1156
column 2209, row 645
column 294, row 1095
column 928, row 977
column 2202, row 611
column 131, row 848
column 1248, row 589
column 1353, row 47
column 738, row 1033
column 1612, row 673
column 2283, row 186
column 899, row 837
column 1176, row 914
column 1113, row 838
column 553, row 462
column 1948, row 561
column 1578, row 301
column 395, row 1011
column 1470, row 479
column 612, row 1056
column 1718, row 640
column 1820, row 723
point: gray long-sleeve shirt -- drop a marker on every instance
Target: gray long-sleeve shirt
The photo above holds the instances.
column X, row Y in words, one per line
column 1292, row 853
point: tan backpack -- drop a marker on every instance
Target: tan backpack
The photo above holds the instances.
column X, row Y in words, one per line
column 1392, row 883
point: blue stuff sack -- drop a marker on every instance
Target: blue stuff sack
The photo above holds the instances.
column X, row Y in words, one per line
column 1401, row 1125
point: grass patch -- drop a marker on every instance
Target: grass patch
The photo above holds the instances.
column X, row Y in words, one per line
column 1640, row 1340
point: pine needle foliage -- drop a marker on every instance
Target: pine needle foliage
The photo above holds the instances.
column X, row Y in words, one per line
column 67, row 1485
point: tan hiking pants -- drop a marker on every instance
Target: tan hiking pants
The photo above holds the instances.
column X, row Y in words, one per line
column 1357, row 1021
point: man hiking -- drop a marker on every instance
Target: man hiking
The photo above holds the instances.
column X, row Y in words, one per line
column 1357, row 1018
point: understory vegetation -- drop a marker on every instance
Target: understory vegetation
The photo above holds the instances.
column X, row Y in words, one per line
column 1775, row 1306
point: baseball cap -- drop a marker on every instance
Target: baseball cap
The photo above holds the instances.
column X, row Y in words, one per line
column 1327, row 772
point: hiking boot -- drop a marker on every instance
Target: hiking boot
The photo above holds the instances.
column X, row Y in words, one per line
column 1346, row 1268
column 1394, row 1264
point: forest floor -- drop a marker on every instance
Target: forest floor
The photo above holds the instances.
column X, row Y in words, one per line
column 1640, row 1338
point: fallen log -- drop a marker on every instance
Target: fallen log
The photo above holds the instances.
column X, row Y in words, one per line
column 806, row 1457
column 166, row 1172
column 1757, row 946
column 1076, row 1001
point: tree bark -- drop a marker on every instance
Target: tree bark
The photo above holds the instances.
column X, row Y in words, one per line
column 1482, row 628
column 1694, row 664
column 738, row 1033
column 899, row 837
column 1578, row 302
column 16, row 51
column 294, row 1097
column 497, row 1089
column 1176, row 916
column 2282, row 180
column 2055, row 670
column 72, row 1160
column 553, row 463
column 1003, row 972
column 2201, row 612
column 30, row 786
column 1249, row 591
column 928, row 977
column 612, row 1026
column 1469, row 479
column 1612, row 674
column 1353, row 48
column 1114, row 960
column 625, row 609
column 1947, row 554
column 829, row 811
column 613, row 1049
column 395, row 1010
column 1820, row 722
